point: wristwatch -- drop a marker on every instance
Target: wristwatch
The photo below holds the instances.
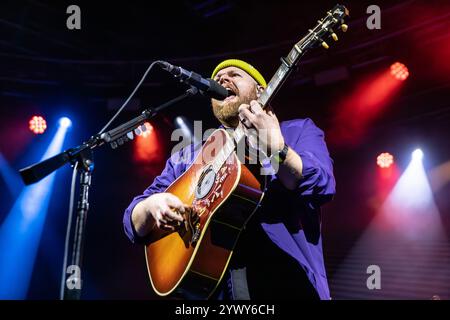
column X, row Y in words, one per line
column 280, row 156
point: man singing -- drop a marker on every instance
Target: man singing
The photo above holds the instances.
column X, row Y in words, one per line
column 279, row 253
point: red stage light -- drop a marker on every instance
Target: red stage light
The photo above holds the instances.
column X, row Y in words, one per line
column 148, row 148
column 37, row 125
column 149, row 130
column 385, row 160
column 366, row 102
column 399, row 71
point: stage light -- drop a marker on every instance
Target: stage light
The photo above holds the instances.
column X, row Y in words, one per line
column 148, row 148
column 417, row 155
column 404, row 238
column 10, row 177
column 385, row 160
column 187, row 133
column 37, row 125
column 65, row 122
column 148, row 130
column 412, row 190
column 21, row 230
column 399, row 71
column 366, row 102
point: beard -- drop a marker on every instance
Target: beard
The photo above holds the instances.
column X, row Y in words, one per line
column 227, row 111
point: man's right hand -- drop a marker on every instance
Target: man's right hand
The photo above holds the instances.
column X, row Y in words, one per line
column 163, row 210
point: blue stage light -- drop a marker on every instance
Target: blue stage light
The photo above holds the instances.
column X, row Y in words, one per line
column 21, row 230
column 65, row 122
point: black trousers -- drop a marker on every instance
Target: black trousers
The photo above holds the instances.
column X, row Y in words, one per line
column 260, row 270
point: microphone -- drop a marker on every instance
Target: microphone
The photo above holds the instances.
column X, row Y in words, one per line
column 208, row 87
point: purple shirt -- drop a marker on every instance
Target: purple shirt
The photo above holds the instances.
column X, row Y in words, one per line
column 297, row 229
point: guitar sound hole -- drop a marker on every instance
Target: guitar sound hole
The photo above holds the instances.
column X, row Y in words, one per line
column 205, row 183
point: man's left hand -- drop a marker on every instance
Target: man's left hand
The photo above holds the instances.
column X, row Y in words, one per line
column 266, row 125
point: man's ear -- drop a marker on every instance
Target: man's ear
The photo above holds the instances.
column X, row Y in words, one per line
column 259, row 90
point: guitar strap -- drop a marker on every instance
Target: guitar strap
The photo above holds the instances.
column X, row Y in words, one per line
column 239, row 285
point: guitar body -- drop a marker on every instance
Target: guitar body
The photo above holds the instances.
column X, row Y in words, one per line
column 194, row 258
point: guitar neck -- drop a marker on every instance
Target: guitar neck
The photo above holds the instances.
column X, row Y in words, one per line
column 287, row 66
column 313, row 38
column 274, row 85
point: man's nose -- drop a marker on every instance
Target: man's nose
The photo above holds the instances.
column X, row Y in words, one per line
column 224, row 79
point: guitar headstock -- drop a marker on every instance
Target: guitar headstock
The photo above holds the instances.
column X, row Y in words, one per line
column 324, row 29
column 316, row 37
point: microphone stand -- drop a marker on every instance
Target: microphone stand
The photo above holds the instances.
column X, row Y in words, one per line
column 82, row 157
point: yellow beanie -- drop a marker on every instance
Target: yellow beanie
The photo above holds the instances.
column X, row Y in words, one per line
column 241, row 65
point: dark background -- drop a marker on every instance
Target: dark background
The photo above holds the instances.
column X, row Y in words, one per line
column 50, row 70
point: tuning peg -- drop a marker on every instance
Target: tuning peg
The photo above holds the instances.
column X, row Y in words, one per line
column 325, row 45
column 334, row 36
column 344, row 27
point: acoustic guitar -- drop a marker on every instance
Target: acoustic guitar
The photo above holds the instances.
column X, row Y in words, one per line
column 223, row 193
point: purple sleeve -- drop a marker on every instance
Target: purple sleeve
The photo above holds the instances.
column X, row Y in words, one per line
column 308, row 141
column 160, row 184
column 175, row 166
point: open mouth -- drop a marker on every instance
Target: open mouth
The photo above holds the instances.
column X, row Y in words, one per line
column 231, row 94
